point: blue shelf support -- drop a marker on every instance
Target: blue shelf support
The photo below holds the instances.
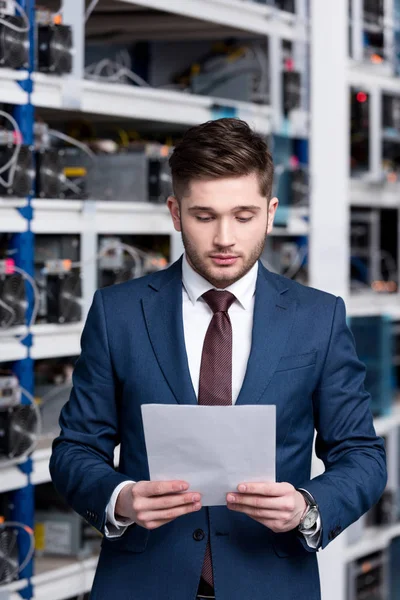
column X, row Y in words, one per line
column 23, row 245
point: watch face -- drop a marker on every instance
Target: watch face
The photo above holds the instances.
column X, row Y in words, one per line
column 310, row 519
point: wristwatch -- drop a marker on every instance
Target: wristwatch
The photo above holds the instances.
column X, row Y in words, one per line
column 310, row 517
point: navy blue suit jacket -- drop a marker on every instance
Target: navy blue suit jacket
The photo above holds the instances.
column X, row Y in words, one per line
column 302, row 359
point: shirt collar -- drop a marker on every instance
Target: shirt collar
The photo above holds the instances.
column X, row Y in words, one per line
column 196, row 285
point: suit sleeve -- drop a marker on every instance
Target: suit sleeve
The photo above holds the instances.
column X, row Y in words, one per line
column 81, row 464
column 354, row 457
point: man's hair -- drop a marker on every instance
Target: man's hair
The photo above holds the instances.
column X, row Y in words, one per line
column 218, row 149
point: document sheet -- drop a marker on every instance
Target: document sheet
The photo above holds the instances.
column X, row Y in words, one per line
column 213, row 448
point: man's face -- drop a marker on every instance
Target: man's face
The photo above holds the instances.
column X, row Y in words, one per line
column 224, row 223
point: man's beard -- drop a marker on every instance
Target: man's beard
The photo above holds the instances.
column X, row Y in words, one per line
column 223, row 281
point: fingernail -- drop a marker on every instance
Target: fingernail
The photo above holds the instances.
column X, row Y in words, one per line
column 231, row 498
column 184, row 486
column 195, row 498
column 242, row 488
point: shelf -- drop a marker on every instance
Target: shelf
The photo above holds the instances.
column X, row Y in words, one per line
column 10, row 90
column 133, row 218
column 68, row 216
column 371, row 304
column 11, row 348
column 294, row 221
column 373, row 540
column 160, row 105
column 363, row 193
column 369, row 77
column 70, row 577
column 57, row 216
column 238, row 14
column 385, row 424
column 11, row 478
column 9, row 591
column 11, row 221
column 54, row 340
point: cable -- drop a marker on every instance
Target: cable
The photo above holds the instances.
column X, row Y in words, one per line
column 113, row 75
column 12, row 162
column 135, row 253
column 23, row 15
column 90, row 9
column 73, row 141
column 35, row 289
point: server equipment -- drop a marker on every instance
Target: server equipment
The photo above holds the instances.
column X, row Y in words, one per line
column 62, row 292
column 19, row 423
column 359, row 132
column 59, row 531
column 14, row 38
column 394, row 571
column 375, row 348
column 119, row 262
column 18, row 179
column 140, row 174
column 13, row 299
column 9, row 560
column 54, row 44
column 368, row 577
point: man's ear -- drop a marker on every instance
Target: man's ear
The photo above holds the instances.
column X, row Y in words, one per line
column 174, row 209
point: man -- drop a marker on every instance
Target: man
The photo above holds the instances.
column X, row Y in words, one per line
column 218, row 328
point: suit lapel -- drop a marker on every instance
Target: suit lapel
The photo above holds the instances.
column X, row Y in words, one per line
column 163, row 315
column 274, row 312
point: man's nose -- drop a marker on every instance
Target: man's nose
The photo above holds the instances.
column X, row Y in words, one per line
column 224, row 235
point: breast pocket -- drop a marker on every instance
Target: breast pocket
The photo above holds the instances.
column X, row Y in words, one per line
column 297, row 361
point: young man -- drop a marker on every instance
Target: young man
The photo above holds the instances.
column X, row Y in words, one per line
column 218, row 328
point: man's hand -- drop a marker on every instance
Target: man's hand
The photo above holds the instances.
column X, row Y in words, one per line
column 278, row 506
column 154, row 503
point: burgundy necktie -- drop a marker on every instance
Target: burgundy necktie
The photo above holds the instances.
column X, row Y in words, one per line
column 215, row 385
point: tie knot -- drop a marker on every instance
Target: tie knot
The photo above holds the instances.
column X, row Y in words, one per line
column 219, row 301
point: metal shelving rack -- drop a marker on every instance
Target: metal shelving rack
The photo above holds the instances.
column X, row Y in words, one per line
column 332, row 193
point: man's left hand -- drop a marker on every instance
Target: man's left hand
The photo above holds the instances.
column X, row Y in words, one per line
column 278, row 506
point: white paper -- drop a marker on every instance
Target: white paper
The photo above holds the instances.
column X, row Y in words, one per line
column 213, row 448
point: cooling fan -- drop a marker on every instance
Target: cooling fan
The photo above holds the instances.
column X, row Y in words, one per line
column 14, row 45
column 55, row 48
column 49, row 174
column 64, row 297
column 19, row 430
column 9, row 563
column 13, row 300
column 20, row 174
column 160, row 180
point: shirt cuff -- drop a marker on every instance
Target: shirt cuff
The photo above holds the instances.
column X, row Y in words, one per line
column 116, row 527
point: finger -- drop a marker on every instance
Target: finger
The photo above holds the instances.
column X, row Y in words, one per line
column 259, row 513
column 266, row 488
column 257, row 501
column 168, row 514
column 159, row 488
column 165, row 502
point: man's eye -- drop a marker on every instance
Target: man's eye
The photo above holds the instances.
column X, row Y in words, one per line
column 244, row 220
column 204, row 219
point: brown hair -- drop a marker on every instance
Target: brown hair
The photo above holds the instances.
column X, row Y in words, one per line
column 217, row 149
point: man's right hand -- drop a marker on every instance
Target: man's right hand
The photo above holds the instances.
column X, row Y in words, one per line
column 154, row 503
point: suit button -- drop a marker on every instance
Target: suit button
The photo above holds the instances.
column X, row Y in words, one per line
column 199, row 535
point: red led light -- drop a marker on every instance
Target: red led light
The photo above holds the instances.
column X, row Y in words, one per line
column 362, row 97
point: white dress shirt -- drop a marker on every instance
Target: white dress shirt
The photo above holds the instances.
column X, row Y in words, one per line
column 196, row 319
